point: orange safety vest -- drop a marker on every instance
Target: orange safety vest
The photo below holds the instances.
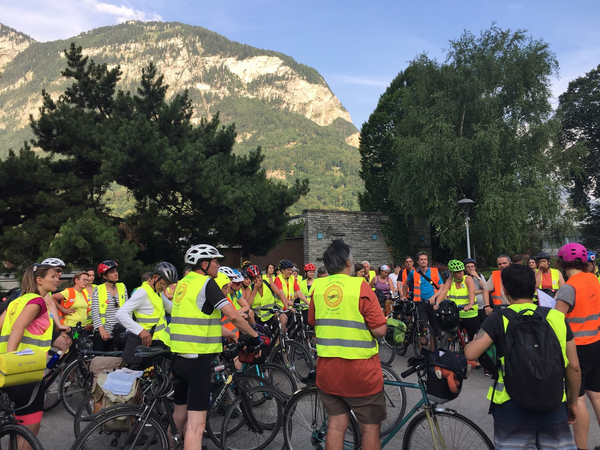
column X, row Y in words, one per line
column 497, row 292
column 68, row 302
column 226, row 323
column 584, row 318
column 435, row 275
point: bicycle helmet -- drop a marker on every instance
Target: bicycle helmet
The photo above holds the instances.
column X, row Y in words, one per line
column 309, row 267
column 167, row 271
column 245, row 264
column 253, row 271
column 285, row 264
column 227, row 271
column 201, row 252
column 237, row 278
column 455, row 265
column 396, row 332
column 591, row 257
column 53, row 262
column 573, row 251
column 543, row 255
column 447, row 315
column 105, row 266
column 468, row 261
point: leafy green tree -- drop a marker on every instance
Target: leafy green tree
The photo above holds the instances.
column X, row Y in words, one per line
column 476, row 126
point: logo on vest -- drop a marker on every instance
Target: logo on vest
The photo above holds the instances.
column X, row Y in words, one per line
column 333, row 296
column 180, row 292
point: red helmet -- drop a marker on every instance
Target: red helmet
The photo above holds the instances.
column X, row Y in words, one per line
column 309, row 266
column 253, row 271
column 105, row 266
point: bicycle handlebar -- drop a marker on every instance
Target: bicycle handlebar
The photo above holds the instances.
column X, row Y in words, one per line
column 412, row 370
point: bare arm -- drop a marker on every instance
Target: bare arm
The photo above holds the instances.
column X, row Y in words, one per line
column 301, row 296
column 441, row 295
column 480, row 343
column 562, row 306
column 573, row 381
column 486, row 301
column 471, row 287
column 27, row 316
column 379, row 331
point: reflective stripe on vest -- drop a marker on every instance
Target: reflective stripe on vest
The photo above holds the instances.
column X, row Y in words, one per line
column 497, row 292
column 156, row 318
column 554, row 273
column 340, row 328
column 584, row 318
column 266, row 301
column 29, row 340
column 226, row 323
column 557, row 322
column 103, row 298
column 288, row 290
column 460, row 296
column 191, row 330
column 435, row 276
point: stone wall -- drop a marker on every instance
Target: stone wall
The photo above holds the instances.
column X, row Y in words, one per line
column 358, row 229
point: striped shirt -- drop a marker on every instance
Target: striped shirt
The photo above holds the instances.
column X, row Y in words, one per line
column 111, row 310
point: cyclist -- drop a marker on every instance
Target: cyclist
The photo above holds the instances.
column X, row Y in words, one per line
column 269, row 274
column 579, row 300
column 479, row 281
column 394, row 277
column 409, row 265
column 73, row 302
column 238, row 302
column 547, row 279
column 322, row 272
column 195, row 334
column 382, row 283
column 287, row 284
column 106, row 301
column 265, row 295
column 347, row 320
column 494, row 286
column 461, row 290
column 426, row 289
column 359, row 270
column 149, row 306
column 532, row 263
column 60, row 339
column 26, row 324
column 515, row 426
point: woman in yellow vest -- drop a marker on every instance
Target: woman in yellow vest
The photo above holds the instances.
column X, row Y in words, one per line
column 309, row 277
column 262, row 297
column 461, row 290
column 26, row 324
column 269, row 274
column 73, row 302
column 547, row 279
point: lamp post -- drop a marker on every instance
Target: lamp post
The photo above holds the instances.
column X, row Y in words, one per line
column 466, row 205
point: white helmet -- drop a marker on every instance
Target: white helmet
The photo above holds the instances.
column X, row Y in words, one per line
column 227, row 271
column 238, row 277
column 201, row 252
column 53, row 262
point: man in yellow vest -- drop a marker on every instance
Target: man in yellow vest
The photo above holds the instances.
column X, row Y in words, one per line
column 195, row 333
column 347, row 319
column 149, row 306
column 516, row 426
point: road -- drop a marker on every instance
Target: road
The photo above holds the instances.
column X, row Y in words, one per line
column 57, row 425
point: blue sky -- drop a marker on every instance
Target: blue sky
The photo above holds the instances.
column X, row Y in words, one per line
column 358, row 46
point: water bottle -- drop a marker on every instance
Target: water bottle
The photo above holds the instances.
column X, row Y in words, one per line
column 54, row 359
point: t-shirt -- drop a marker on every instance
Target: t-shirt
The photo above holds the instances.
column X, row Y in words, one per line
column 567, row 294
column 394, row 279
column 353, row 377
column 80, row 306
column 280, row 286
column 212, row 298
column 427, row 290
column 40, row 324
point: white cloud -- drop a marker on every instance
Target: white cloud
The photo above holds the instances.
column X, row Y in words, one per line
column 48, row 21
column 356, row 80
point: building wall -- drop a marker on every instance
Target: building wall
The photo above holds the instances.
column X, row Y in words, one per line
column 356, row 229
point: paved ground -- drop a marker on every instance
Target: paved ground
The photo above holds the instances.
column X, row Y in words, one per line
column 57, row 425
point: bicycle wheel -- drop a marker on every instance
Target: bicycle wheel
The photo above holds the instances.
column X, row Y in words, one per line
column 278, row 377
column 387, row 353
column 51, row 397
column 395, row 401
column 423, row 338
column 126, row 428
column 14, row 436
column 305, row 423
column 83, row 415
column 296, row 359
column 74, row 386
column 261, row 420
column 453, row 431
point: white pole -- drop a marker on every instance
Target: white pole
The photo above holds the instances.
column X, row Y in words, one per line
column 468, row 240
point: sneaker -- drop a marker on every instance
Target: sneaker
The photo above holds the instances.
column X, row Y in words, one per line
column 486, row 373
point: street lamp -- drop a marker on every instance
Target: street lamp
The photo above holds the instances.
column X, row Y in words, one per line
column 466, row 205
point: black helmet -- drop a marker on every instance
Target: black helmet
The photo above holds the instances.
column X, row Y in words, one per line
column 285, row 264
column 543, row 255
column 447, row 315
column 167, row 271
column 468, row 261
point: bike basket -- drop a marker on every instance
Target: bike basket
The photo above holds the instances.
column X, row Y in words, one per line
column 447, row 315
column 446, row 371
column 22, row 367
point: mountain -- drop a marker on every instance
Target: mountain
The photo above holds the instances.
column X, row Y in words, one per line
column 283, row 106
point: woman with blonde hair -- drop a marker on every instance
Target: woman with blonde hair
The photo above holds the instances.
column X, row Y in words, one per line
column 73, row 302
column 26, row 324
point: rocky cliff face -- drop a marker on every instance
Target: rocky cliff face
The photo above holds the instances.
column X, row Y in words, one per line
column 11, row 44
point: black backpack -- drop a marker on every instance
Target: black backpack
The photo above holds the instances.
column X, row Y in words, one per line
column 534, row 374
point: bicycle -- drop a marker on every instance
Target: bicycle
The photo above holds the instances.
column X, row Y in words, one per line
column 302, row 332
column 418, row 333
column 433, row 428
column 13, row 435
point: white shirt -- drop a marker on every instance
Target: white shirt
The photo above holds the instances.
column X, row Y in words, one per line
column 394, row 279
column 139, row 302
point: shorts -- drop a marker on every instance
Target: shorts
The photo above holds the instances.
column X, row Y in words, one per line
column 191, row 381
column 21, row 395
column 589, row 361
column 517, row 428
column 368, row 410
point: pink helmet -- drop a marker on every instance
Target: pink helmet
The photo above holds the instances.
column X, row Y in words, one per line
column 572, row 251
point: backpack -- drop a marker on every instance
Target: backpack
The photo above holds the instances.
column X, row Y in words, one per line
column 534, row 374
column 11, row 295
